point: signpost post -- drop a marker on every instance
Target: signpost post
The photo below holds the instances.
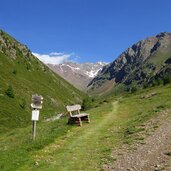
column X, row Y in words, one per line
column 36, row 106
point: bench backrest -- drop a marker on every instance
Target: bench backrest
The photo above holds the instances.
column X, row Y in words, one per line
column 73, row 109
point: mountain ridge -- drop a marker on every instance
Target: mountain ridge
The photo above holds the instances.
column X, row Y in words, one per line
column 143, row 62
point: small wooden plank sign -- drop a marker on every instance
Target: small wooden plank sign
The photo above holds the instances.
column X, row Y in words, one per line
column 37, row 101
column 35, row 115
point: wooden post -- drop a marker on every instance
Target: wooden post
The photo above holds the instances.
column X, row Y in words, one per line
column 34, row 130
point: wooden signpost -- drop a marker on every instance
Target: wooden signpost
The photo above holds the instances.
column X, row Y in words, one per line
column 36, row 105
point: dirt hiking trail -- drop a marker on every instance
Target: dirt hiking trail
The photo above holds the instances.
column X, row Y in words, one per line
column 154, row 154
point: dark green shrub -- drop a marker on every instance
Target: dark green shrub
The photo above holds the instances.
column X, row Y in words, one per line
column 157, row 82
column 145, row 85
column 9, row 92
column 166, row 80
column 87, row 103
column 133, row 89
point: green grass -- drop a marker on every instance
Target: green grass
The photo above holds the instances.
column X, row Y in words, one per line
column 15, row 112
column 160, row 57
column 59, row 146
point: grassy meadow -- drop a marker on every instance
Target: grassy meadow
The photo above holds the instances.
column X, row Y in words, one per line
column 63, row 147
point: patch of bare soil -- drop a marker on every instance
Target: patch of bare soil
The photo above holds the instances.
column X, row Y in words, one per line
column 152, row 152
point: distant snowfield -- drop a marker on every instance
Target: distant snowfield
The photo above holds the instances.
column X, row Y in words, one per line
column 78, row 74
column 89, row 69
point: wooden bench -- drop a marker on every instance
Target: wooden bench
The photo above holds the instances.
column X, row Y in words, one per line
column 75, row 116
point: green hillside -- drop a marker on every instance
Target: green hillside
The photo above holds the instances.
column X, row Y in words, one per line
column 116, row 122
column 21, row 75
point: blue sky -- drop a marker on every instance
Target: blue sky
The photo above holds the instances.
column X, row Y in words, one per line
column 83, row 30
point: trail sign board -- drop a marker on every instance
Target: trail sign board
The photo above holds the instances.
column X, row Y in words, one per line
column 35, row 115
column 37, row 102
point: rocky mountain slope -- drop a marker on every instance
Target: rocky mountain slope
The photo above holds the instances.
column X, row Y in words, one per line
column 78, row 75
column 21, row 75
column 147, row 61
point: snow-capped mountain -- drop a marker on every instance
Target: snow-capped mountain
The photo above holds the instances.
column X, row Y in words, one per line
column 78, row 75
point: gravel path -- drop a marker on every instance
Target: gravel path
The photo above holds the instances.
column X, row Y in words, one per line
column 155, row 152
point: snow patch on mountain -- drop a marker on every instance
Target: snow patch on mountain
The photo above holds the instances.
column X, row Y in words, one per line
column 92, row 73
column 78, row 74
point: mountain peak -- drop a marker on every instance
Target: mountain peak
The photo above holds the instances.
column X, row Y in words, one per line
column 78, row 74
column 163, row 34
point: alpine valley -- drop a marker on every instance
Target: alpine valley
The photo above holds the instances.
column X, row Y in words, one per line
column 129, row 110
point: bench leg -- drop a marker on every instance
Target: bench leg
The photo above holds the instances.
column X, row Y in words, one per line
column 80, row 122
column 88, row 119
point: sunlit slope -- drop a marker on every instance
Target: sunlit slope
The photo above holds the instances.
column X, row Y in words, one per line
column 21, row 75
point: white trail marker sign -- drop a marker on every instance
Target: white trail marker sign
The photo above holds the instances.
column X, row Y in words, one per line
column 36, row 105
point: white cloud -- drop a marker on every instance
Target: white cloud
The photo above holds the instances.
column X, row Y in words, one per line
column 54, row 57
